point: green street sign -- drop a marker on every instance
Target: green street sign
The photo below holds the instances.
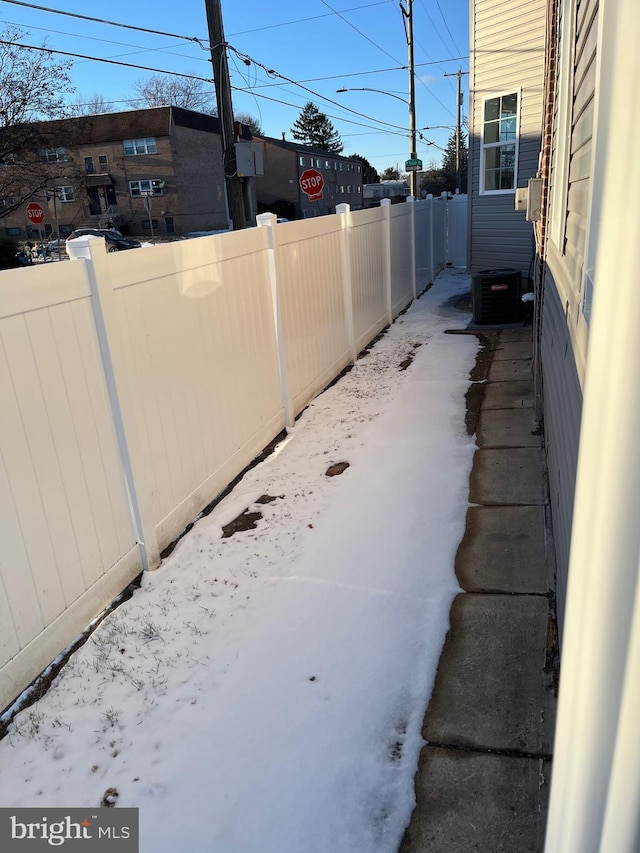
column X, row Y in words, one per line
column 413, row 165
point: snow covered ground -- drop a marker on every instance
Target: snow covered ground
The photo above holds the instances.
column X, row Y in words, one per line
column 264, row 692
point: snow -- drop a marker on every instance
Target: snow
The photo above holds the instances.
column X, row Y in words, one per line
column 265, row 691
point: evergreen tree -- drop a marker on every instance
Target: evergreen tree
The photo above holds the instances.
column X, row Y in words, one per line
column 314, row 128
column 449, row 163
column 369, row 174
column 390, row 174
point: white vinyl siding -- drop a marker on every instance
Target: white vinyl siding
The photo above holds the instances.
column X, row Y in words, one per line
column 507, row 42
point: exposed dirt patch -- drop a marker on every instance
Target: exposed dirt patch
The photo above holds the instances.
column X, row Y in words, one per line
column 407, row 361
column 267, row 499
column 336, row 469
column 245, row 521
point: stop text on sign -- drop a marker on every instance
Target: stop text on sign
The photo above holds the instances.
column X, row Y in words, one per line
column 312, row 184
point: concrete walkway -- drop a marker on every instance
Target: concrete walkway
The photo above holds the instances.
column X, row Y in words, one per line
column 483, row 777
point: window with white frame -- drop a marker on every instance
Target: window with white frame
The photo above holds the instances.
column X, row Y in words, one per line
column 139, row 188
column 146, row 145
column 54, row 155
column 301, row 161
column 65, row 193
column 500, row 143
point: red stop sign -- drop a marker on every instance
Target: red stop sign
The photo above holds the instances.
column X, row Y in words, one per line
column 312, row 183
column 35, row 213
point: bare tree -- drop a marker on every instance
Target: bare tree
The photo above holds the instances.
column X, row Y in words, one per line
column 91, row 105
column 252, row 123
column 161, row 90
column 33, row 87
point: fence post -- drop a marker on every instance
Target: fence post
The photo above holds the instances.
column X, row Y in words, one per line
column 385, row 204
column 93, row 251
column 268, row 221
column 412, row 219
column 445, row 199
column 344, row 211
column 431, row 262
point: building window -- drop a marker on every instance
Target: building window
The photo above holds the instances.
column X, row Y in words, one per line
column 327, row 164
column 7, row 200
column 65, row 193
column 66, row 229
column 340, row 166
column 301, row 161
column 103, row 165
column 13, row 232
column 147, row 145
column 146, row 224
column 137, row 188
column 169, row 225
column 53, row 155
column 499, row 144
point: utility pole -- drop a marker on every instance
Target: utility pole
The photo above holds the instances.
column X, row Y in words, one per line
column 459, row 74
column 225, row 113
column 408, row 16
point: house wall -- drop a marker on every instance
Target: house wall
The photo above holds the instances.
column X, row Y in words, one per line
column 507, row 47
column 198, row 180
column 566, row 274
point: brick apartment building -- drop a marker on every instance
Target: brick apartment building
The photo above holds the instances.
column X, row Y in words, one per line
column 114, row 166
column 284, row 162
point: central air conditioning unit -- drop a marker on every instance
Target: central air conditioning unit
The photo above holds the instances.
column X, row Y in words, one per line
column 496, row 297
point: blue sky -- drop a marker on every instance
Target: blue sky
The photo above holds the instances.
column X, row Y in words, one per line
column 321, row 45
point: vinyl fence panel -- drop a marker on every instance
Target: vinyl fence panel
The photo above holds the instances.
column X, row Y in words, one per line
column 310, row 292
column 196, row 331
column 68, row 542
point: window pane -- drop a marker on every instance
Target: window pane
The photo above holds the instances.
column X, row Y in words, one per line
column 509, row 105
column 491, row 132
column 507, row 129
column 102, row 161
column 506, row 179
column 491, row 179
column 492, row 109
column 492, row 158
column 88, row 165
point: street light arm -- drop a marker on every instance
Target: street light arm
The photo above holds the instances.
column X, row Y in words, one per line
column 379, row 91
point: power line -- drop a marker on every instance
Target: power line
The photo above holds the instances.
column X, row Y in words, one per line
column 353, row 27
column 102, row 21
column 209, row 80
column 304, row 20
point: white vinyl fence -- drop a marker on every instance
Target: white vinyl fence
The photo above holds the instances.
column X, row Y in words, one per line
column 135, row 386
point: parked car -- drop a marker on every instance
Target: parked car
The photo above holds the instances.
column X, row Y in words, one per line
column 116, row 242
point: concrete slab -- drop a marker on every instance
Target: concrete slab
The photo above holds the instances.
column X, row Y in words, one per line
column 503, row 550
column 491, row 691
column 508, row 476
column 470, row 803
column 512, row 349
column 509, row 395
column 508, row 428
column 506, row 370
column 523, row 334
